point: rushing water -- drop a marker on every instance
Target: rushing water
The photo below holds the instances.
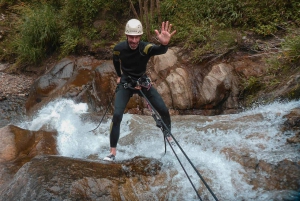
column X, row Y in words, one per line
column 202, row 139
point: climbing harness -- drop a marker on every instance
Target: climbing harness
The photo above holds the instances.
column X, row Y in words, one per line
column 166, row 132
column 143, row 81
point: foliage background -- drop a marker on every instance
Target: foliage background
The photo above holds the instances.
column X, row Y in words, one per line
column 203, row 26
column 33, row 30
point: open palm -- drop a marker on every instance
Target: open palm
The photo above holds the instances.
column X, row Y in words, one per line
column 164, row 36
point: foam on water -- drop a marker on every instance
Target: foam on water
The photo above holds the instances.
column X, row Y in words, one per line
column 259, row 134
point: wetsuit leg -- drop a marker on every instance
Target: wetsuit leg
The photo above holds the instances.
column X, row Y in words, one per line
column 121, row 100
column 159, row 105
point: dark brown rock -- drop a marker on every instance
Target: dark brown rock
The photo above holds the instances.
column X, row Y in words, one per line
column 61, row 178
column 18, row 146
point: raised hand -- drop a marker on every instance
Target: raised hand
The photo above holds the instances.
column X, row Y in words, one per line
column 164, row 36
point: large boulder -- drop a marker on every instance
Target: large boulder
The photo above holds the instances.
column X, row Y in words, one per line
column 69, row 78
column 61, row 178
column 180, row 90
column 18, row 146
column 17, row 142
column 186, row 87
column 13, row 141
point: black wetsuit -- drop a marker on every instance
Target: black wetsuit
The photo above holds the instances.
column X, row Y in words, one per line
column 133, row 63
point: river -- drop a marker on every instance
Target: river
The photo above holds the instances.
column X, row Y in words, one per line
column 255, row 132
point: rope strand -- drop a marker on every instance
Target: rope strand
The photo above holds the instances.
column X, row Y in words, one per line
column 104, row 113
column 165, row 127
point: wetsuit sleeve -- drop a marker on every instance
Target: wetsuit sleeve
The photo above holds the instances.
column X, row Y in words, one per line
column 152, row 50
column 116, row 62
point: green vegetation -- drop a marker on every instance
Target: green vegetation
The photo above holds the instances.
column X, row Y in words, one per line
column 37, row 36
column 295, row 93
column 291, row 47
column 69, row 39
column 250, row 88
column 37, row 29
column 32, row 30
column 280, row 68
column 205, row 28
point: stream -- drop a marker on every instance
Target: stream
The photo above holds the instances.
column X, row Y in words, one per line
column 254, row 132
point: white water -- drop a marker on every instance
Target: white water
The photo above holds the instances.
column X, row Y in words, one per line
column 202, row 140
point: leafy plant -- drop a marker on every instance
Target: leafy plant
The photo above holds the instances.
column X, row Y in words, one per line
column 252, row 85
column 38, row 34
column 291, row 47
column 69, row 39
column 80, row 13
column 261, row 16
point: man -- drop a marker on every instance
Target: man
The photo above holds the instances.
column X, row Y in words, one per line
column 130, row 59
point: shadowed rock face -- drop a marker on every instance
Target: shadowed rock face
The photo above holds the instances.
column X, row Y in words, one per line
column 60, row 178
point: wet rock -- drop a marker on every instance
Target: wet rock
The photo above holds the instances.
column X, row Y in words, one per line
column 105, row 83
column 219, row 84
column 284, row 175
column 295, row 139
column 50, row 83
column 18, row 146
column 14, row 140
column 293, row 123
column 61, row 178
column 64, row 80
column 17, row 142
column 242, row 157
column 279, row 176
column 292, row 120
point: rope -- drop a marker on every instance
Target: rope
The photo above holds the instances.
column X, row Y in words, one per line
column 202, row 179
column 104, row 113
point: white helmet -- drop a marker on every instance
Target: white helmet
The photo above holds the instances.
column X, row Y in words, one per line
column 134, row 27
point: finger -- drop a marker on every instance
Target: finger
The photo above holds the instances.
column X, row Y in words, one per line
column 173, row 33
column 162, row 26
column 167, row 26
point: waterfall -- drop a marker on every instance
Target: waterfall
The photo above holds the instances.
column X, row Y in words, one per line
column 205, row 139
